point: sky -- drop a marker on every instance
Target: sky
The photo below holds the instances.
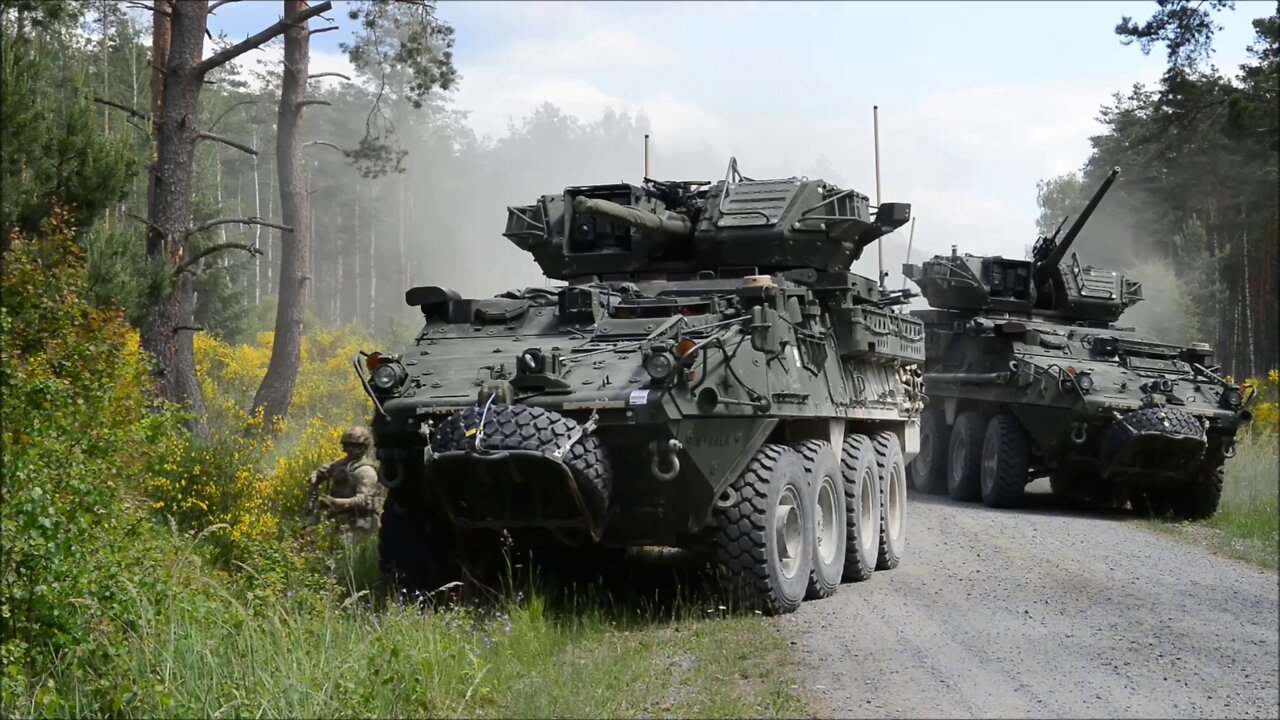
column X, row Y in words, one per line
column 977, row 100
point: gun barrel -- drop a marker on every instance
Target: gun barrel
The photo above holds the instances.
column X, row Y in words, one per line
column 668, row 223
column 1060, row 250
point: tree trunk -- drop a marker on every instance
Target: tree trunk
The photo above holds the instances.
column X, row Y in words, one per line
column 257, row 229
column 169, row 322
column 276, row 390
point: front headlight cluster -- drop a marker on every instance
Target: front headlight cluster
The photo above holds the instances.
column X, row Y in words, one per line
column 386, row 374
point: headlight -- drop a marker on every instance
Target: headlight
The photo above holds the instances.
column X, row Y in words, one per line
column 1084, row 382
column 1231, row 398
column 387, row 377
column 660, row 365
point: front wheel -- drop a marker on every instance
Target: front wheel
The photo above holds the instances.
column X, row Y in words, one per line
column 1006, row 457
column 764, row 538
column 1199, row 499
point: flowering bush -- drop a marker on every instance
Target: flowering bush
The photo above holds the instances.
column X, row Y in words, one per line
column 247, row 488
column 1265, row 403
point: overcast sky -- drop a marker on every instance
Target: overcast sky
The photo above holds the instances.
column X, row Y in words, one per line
column 977, row 101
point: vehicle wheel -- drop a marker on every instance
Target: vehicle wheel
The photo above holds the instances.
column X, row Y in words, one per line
column 764, row 539
column 413, row 558
column 523, row 427
column 1199, row 500
column 964, row 457
column 827, row 507
column 1006, row 455
column 928, row 469
column 1149, row 502
column 862, row 506
column 893, row 499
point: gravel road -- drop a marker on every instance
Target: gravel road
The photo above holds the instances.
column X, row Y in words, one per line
column 1043, row 612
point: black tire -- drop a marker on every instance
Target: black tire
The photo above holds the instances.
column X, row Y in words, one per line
column 862, row 507
column 826, row 489
column 928, row 469
column 893, row 499
column 747, row 532
column 1199, row 500
column 522, row 427
column 413, row 557
column 964, row 457
column 1006, row 458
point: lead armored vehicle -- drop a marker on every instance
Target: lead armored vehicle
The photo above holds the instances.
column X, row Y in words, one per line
column 1028, row 375
column 710, row 375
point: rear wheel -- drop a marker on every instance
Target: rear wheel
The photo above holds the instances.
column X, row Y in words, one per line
column 964, row 457
column 928, row 469
column 862, row 507
column 893, row 499
column 764, row 539
column 414, row 557
column 827, row 506
column 1006, row 457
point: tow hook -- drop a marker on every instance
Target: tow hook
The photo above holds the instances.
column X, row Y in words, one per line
column 1078, row 433
column 665, row 453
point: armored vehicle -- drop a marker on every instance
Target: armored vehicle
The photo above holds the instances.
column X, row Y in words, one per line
column 711, row 375
column 1027, row 375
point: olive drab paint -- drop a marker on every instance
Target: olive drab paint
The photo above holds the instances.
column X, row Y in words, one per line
column 1104, row 411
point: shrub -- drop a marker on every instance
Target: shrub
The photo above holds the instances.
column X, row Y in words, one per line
column 77, row 430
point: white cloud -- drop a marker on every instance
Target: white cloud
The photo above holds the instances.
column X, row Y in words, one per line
column 603, row 50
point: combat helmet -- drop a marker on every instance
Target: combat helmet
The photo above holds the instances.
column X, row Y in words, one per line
column 357, row 435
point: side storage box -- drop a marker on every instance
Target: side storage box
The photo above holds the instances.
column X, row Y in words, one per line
column 881, row 336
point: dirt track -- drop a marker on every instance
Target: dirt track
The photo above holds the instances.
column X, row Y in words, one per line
column 1043, row 612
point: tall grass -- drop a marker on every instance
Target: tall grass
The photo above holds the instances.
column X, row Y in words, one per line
column 1249, row 516
column 199, row 651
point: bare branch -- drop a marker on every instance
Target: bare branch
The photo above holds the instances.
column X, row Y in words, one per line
column 243, row 221
column 120, row 106
column 219, row 4
column 317, row 31
column 231, row 53
column 148, row 8
column 144, row 221
column 305, row 103
column 186, row 266
column 226, row 112
column 325, row 143
column 317, row 76
column 226, row 141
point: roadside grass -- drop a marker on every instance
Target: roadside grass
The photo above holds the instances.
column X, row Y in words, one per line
column 1247, row 525
column 585, row 651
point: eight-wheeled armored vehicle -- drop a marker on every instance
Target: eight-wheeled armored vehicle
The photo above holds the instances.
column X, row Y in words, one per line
column 710, row 374
column 1027, row 375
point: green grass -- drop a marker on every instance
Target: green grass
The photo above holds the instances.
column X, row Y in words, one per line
column 1247, row 525
column 199, row 652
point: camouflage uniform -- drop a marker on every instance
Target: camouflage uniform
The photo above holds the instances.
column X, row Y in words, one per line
column 354, row 478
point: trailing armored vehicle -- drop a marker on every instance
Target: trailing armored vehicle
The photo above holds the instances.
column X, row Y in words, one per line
column 1027, row 375
column 711, row 375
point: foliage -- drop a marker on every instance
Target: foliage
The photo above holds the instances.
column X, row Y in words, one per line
column 1186, row 28
column 1200, row 153
column 76, row 430
column 53, row 152
column 408, row 52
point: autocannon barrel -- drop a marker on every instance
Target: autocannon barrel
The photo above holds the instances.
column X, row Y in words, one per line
column 1051, row 260
column 667, row 223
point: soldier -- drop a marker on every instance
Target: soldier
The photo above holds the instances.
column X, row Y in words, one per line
column 355, row 497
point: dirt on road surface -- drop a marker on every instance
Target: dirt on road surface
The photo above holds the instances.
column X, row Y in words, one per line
column 1043, row 612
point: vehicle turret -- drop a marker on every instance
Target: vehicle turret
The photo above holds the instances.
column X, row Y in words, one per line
column 677, row 230
column 1043, row 285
